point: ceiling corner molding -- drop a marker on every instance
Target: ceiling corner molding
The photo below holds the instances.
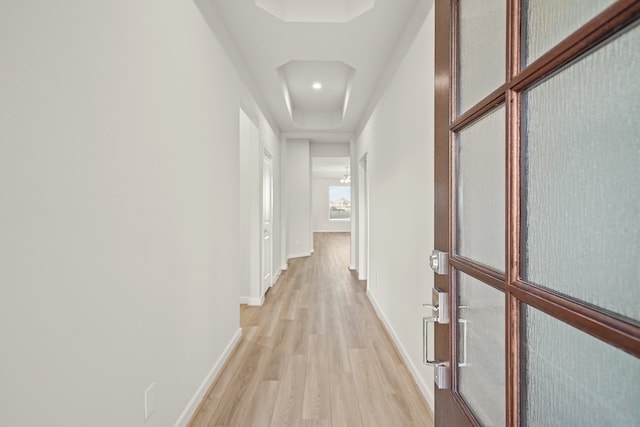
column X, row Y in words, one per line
column 212, row 17
column 313, row 11
column 405, row 40
column 316, row 108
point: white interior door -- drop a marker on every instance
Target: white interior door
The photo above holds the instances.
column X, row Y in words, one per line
column 267, row 214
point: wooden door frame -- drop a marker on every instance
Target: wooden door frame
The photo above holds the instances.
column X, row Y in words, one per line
column 612, row 329
column 446, row 401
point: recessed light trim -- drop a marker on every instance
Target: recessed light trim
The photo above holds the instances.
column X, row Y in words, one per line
column 317, row 85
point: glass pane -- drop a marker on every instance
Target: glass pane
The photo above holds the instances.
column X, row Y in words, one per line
column 480, row 195
column 574, row 379
column 548, row 22
column 481, row 350
column 340, row 202
column 481, row 50
column 581, row 205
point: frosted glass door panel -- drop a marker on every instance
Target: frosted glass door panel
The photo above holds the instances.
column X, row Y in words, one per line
column 574, row 379
column 481, row 350
column 480, row 191
column 481, row 52
column 548, row 22
column 581, row 180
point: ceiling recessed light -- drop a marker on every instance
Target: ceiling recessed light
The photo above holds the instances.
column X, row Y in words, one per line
column 317, row 85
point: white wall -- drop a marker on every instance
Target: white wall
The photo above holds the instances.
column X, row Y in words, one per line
column 399, row 141
column 118, row 265
column 320, row 207
column 298, row 178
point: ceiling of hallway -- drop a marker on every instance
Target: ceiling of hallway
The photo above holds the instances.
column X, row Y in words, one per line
column 287, row 45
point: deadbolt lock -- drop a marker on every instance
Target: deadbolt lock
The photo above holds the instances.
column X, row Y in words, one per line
column 439, row 262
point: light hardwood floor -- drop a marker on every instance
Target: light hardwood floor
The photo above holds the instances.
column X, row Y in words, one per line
column 315, row 354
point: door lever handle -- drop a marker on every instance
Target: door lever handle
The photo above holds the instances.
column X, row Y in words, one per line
column 439, row 305
column 434, row 308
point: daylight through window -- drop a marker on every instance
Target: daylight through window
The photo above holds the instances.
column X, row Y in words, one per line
column 339, row 202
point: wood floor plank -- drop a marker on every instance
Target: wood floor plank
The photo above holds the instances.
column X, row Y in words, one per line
column 317, row 403
column 288, row 407
column 264, row 399
column 315, row 423
column 338, row 351
column 345, row 410
column 403, row 411
column 225, row 377
column 289, row 305
column 371, row 398
column 268, row 317
column 414, row 391
column 249, row 315
column 275, row 367
column 237, row 399
column 354, row 328
column 387, row 370
column 280, row 336
column 319, row 317
column 315, row 354
column 300, row 332
column 204, row 416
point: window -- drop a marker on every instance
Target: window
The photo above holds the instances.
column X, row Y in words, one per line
column 339, row 202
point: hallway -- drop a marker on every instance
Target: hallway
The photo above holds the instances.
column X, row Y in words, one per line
column 315, row 354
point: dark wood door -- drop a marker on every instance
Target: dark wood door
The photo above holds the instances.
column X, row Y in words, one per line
column 537, row 200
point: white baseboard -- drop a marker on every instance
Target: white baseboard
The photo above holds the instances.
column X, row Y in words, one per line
column 276, row 277
column 188, row 412
column 256, row 301
column 352, row 267
column 284, row 267
column 300, row 255
column 426, row 392
column 362, row 276
column 252, row 301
